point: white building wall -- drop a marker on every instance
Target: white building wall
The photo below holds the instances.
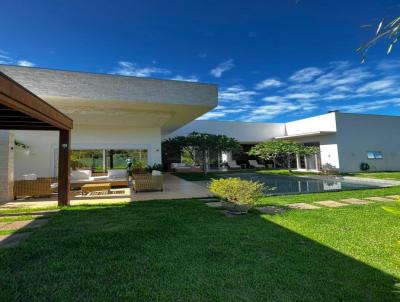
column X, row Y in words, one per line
column 329, row 150
column 359, row 133
column 42, row 158
column 325, row 122
column 242, row 131
column 6, row 165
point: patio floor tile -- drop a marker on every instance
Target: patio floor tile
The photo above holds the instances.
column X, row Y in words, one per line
column 380, row 199
column 355, row 201
column 332, row 204
column 302, row 206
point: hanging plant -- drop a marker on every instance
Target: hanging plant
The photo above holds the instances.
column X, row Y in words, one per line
column 22, row 146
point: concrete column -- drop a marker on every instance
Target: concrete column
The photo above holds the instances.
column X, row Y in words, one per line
column 6, row 165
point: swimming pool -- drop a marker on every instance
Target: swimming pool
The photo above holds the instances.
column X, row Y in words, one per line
column 296, row 185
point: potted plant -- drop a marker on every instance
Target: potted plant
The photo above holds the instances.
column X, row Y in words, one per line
column 237, row 195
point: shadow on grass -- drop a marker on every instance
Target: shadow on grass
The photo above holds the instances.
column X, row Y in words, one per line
column 180, row 251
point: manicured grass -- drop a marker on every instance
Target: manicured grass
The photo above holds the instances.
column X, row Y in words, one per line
column 312, row 197
column 26, row 210
column 19, row 218
column 379, row 175
column 185, row 251
column 7, row 232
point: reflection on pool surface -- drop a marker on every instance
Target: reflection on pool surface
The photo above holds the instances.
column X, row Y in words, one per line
column 293, row 184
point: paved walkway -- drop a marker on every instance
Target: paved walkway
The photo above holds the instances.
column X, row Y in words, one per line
column 15, row 227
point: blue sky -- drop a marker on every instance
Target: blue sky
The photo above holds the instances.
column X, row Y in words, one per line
column 274, row 60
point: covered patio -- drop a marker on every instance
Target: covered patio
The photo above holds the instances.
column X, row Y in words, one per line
column 174, row 188
column 20, row 109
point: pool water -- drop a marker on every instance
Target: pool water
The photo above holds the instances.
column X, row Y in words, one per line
column 295, row 185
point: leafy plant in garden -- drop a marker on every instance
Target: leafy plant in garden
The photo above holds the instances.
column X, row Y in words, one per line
column 275, row 149
column 196, row 147
column 236, row 190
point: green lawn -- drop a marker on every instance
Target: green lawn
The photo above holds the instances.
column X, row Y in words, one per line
column 185, row 251
column 380, row 175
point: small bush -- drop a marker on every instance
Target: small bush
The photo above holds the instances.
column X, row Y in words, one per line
column 236, row 190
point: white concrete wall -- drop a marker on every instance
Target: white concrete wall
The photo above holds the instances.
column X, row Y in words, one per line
column 325, row 122
column 6, row 165
column 358, row 133
column 43, row 145
column 329, row 150
column 242, row 131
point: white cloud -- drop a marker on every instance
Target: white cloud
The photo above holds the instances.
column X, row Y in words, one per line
column 222, row 67
column 211, row 115
column 191, row 78
column 377, row 85
column 236, row 93
column 305, row 95
column 25, row 63
column 132, row 69
column 388, row 65
column 6, row 59
column 367, row 106
column 306, row 74
column 268, row 83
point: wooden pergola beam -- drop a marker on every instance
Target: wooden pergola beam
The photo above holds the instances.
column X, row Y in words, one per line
column 20, row 109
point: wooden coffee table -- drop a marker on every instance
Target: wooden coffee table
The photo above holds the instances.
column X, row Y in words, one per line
column 95, row 187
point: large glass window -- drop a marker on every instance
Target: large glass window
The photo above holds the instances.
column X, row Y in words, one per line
column 103, row 159
column 116, row 159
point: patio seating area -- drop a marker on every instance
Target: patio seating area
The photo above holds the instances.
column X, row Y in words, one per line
column 173, row 188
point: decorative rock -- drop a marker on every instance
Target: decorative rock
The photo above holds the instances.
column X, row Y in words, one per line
column 302, row 206
column 332, row 204
column 355, row 201
column 230, row 214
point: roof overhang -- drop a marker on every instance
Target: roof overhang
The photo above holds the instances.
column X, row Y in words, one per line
column 118, row 101
column 20, row 109
column 306, row 134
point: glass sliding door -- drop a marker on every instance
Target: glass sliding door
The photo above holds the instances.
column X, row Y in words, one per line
column 100, row 160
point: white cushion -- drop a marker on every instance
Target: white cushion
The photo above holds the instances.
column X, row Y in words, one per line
column 29, row 176
column 156, row 172
column 81, row 174
column 116, row 173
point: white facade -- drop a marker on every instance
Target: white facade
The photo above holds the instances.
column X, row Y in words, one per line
column 110, row 112
column 344, row 138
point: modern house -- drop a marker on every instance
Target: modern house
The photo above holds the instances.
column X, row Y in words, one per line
column 116, row 117
column 345, row 139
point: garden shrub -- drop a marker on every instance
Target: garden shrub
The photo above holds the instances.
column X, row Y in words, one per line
column 236, row 190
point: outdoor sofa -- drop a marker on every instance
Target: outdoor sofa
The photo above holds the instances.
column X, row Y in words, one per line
column 116, row 178
column 33, row 186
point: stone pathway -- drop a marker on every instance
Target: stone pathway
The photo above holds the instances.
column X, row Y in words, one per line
column 20, row 228
column 332, row 204
column 302, row 206
column 343, row 202
column 271, row 210
column 355, row 201
column 379, row 199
